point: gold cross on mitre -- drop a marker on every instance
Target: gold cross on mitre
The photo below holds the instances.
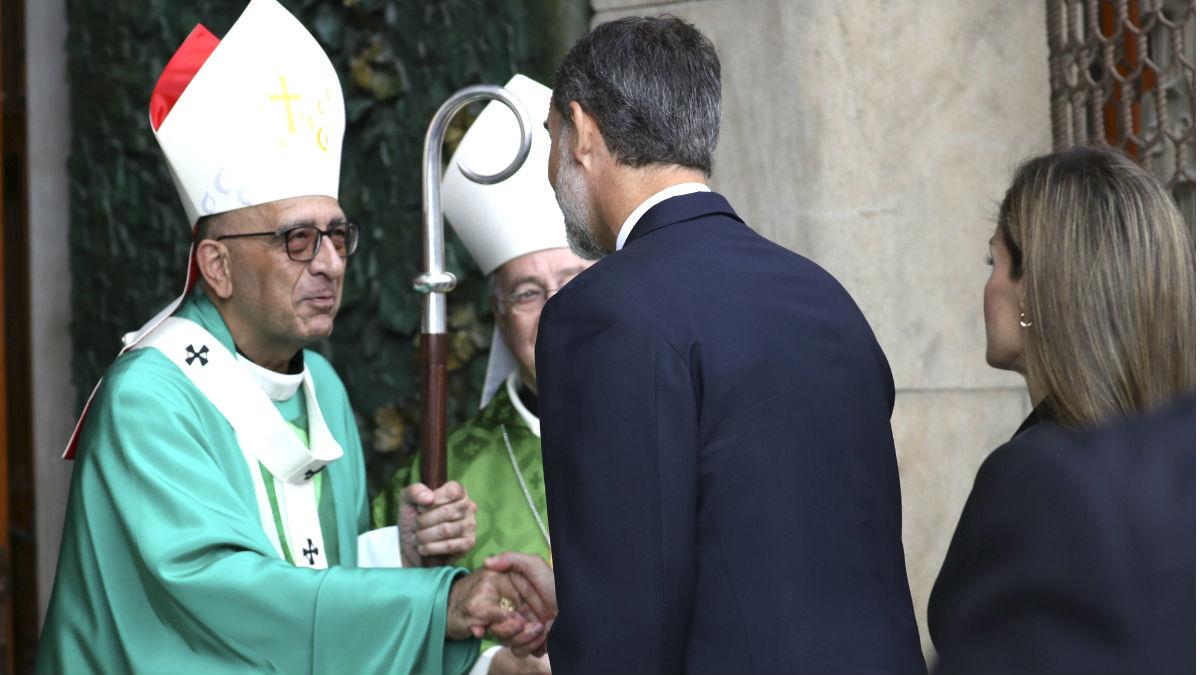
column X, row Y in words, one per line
column 227, row 141
column 287, row 100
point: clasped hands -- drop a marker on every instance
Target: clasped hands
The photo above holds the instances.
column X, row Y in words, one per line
column 512, row 597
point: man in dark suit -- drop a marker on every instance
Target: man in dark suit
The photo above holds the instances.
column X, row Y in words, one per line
column 1076, row 553
column 720, row 472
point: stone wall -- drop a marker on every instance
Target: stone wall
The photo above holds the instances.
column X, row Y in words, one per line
column 50, row 279
column 876, row 138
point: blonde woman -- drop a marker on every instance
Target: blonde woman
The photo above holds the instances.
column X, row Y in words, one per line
column 1076, row 549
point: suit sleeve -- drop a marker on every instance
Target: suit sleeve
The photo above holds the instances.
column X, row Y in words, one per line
column 619, row 450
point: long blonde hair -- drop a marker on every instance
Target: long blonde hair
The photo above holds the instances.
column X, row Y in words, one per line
column 1110, row 276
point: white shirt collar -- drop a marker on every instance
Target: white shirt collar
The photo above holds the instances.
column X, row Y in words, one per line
column 660, row 196
column 279, row 386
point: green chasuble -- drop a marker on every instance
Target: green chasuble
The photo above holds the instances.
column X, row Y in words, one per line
column 165, row 568
column 477, row 458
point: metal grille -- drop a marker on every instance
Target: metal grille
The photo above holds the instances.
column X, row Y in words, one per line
column 1123, row 72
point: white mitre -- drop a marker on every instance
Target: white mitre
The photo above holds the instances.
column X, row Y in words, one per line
column 262, row 119
column 516, row 216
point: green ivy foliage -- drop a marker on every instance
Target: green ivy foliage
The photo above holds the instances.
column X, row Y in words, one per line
column 398, row 60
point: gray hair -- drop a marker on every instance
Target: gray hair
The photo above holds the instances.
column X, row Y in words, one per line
column 652, row 84
column 210, row 226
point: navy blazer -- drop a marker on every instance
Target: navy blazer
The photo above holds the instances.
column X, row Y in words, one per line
column 1076, row 553
column 720, row 473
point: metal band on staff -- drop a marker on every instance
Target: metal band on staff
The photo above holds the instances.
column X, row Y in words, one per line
column 435, row 282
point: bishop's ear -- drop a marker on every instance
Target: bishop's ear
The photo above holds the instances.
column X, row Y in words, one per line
column 212, row 258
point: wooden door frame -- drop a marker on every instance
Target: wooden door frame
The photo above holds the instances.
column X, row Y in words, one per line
column 6, row 613
column 20, row 604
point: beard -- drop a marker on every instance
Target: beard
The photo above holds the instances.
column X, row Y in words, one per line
column 570, row 190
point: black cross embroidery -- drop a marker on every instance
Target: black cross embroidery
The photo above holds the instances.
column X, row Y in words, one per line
column 310, row 552
column 192, row 355
column 310, row 473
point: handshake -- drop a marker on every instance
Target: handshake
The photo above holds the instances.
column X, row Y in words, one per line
column 511, row 597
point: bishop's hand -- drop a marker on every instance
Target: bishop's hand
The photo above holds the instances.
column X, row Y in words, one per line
column 435, row 523
column 488, row 602
column 533, row 580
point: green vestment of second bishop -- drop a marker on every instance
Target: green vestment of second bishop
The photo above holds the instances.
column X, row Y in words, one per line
column 478, row 457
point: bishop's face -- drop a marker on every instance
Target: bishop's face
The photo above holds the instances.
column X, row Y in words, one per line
column 523, row 285
column 279, row 305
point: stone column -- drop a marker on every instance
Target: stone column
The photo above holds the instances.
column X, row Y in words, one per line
column 877, row 138
column 49, row 136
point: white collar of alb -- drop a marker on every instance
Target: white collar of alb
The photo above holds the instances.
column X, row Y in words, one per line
column 278, row 386
column 656, row 198
column 514, row 383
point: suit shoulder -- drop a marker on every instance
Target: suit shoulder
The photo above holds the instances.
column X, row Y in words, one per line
column 1032, row 473
column 1114, row 456
column 593, row 291
column 1117, row 482
column 1030, row 451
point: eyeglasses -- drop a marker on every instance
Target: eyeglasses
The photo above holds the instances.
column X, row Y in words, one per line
column 528, row 300
column 302, row 243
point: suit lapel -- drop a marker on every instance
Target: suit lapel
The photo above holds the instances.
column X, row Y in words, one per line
column 681, row 209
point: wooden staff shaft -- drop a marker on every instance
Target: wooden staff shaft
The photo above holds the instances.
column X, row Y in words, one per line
column 433, row 409
column 433, row 419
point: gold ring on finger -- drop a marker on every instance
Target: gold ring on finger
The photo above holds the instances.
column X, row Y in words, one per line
column 507, row 605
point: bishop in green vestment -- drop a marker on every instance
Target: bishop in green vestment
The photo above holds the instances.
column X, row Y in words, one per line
column 165, row 566
column 218, row 491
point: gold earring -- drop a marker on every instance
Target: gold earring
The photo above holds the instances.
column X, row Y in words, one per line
column 1023, row 322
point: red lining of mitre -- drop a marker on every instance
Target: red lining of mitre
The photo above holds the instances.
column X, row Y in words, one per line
column 180, row 70
column 176, row 76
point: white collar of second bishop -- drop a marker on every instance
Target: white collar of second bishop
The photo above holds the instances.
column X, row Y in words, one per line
column 278, row 386
column 513, row 383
